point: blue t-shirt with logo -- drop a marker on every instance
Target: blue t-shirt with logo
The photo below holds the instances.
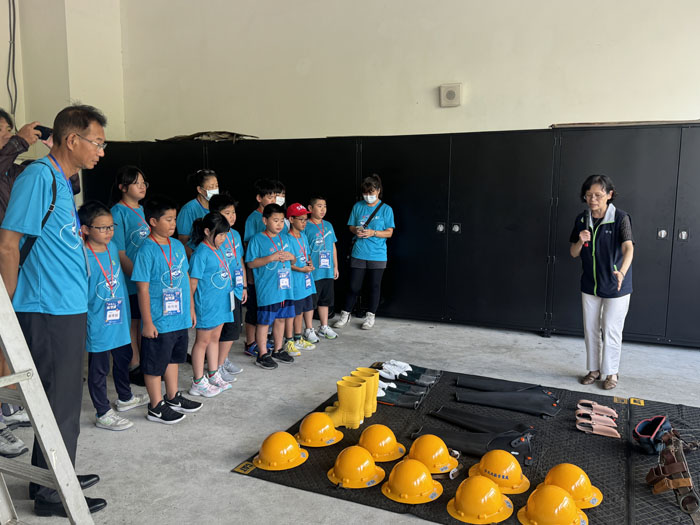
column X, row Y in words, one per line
column 267, row 277
column 151, row 267
column 53, row 279
column 254, row 224
column 130, row 230
column 189, row 213
column 301, row 286
column 212, row 303
column 104, row 332
column 233, row 250
column 371, row 248
column 321, row 238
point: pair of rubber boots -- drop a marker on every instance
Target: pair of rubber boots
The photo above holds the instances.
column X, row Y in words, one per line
column 357, row 398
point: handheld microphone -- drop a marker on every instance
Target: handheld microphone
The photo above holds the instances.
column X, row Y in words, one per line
column 587, row 218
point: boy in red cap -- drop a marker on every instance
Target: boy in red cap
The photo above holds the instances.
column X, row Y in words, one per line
column 303, row 282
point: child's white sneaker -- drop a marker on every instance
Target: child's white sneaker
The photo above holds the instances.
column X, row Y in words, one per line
column 303, row 344
column 344, row 319
column 218, row 381
column 204, row 388
column 310, row 336
column 110, row 420
column 231, row 367
column 226, row 375
column 136, row 400
column 291, row 348
column 327, row 332
column 368, row 322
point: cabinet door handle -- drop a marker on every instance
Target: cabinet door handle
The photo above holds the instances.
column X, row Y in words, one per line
column 456, row 227
column 683, row 235
column 661, row 234
column 440, row 227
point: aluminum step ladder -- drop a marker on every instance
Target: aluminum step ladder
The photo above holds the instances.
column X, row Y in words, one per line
column 30, row 394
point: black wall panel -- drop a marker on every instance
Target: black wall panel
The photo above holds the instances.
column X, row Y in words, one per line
column 500, row 197
column 643, row 164
column 415, row 175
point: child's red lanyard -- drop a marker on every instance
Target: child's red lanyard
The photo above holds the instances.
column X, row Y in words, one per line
column 111, row 271
column 274, row 243
column 222, row 261
column 168, row 261
column 232, row 244
column 301, row 246
column 323, row 231
column 141, row 219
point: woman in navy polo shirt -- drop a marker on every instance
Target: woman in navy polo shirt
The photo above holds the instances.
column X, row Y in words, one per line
column 368, row 257
column 602, row 236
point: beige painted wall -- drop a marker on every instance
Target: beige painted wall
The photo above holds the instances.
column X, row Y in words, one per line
column 337, row 67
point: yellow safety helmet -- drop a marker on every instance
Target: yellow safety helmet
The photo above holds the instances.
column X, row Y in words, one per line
column 355, row 469
column 575, row 481
column 280, row 451
column 551, row 505
column 433, row 453
column 410, row 482
column 317, row 430
column 381, row 443
column 502, row 468
column 479, row 500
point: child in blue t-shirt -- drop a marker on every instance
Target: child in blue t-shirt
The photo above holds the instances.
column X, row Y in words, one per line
column 211, row 282
column 269, row 257
column 207, row 185
column 160, row 274
column 107, row 319
column 264, row 194
column 233, row 249
column 130, row 230
column 303, row 282
column 324, row 255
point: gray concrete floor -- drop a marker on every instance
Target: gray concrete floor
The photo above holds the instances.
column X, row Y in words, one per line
column 177, row 474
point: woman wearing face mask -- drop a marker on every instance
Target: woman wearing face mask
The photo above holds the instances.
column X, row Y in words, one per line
column 372, row 223
column 207, row 185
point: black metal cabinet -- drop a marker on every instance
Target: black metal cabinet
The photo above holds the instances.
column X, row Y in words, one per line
column 415, row 175
column 500, row 195
column 643, row 164
column 682, row 324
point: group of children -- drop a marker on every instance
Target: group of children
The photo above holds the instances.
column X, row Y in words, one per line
column 164, row 286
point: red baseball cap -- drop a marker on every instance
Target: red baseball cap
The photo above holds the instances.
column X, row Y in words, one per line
column 296, row 210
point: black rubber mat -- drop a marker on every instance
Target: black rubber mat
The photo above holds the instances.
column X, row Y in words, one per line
column 616, row 467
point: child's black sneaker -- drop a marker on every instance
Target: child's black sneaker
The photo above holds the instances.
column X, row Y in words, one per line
column 265, row 362
column 180, row 403
column 162, row 413
column 283, row 357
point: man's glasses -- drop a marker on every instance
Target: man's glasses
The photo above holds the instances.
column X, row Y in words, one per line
column 100, row 145
column 102, row 229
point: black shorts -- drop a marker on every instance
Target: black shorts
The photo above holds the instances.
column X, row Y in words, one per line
column 251, row 306
column 304, row 305
column 232, row 331
column 158, row 353
column 134, row 306
column 367, row 265
column 325, row 293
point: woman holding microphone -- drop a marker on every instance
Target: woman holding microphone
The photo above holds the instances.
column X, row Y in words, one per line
column 602, row 237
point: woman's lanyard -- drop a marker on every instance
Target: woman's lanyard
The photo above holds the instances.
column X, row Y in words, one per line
column 222, row 261
column 168, row 261
column 70, row 190
column 141, row 219
column 301, row 247
column 111, row 271
column 322, row 230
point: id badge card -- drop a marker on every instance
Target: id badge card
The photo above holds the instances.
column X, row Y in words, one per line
column 324, row 259
column 172, row 301
column 238, row 277
column 307, row 281
column 283, row 277
column 232, row 299
column 113, row 311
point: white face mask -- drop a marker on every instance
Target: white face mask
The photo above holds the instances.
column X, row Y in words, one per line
column 370, row 199
column 279, row 201
column 211, row 193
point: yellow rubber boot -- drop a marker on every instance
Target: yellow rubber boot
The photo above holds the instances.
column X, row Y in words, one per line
column 373, row 374
column 350, row 410
column 365, row 385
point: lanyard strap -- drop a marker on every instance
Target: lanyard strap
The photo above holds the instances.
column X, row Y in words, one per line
column 70, row 191
column 274, row 243
column 168, row 261
column 301, row 246
column 320, row 227
column 111, row 270
column 141, row 219
column 222, row 261
column 232, row 244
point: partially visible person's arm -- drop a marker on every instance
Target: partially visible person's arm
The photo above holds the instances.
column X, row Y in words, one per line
column 9, row 259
